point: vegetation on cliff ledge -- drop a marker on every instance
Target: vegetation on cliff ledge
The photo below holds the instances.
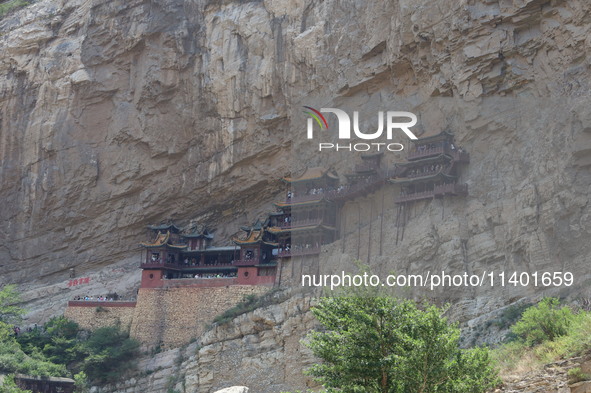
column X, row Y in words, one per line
column 61, row 349
column 386, row 345
column 9, row 6
column 545, row 333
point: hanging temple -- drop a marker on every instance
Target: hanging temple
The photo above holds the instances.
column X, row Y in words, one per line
column 303, row 222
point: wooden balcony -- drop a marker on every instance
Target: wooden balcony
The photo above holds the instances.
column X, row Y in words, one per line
column 300, row 223
column 180, row 265
column 424, row 153
column 208, row 266
column 160, row 265
column 437, row 192
column 305, row 198
column 450, row 189
column 101, row 303
column 423, row 174
column 299, row 252
column 356, row 190
column 366, row 167
column 246, row 262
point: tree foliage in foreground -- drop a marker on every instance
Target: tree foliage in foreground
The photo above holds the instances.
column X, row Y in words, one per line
column 61, row 349
column 383, row 345
column 12, row 357
column 7, row 385
column 110, row 354
column 543, row 322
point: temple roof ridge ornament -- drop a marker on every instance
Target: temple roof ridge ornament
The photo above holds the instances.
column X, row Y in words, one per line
column 197, row 231
column 254, row 233
column 163, row 240
column 168, row 226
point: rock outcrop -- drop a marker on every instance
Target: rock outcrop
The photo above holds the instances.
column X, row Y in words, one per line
column 261, row 349
column 234, row 389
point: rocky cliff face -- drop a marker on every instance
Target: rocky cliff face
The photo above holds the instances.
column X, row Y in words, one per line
column 261, row 350
column 116, row 114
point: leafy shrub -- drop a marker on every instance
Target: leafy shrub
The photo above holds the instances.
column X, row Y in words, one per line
column 81, row 383
column 543, row 322
column 510, row 315
column 58, row 341
column 13, row 5
column 9, row 297
column 14, row 360
column 110, row 354
column 577, row 375
column 7, row 385
column 383, row 345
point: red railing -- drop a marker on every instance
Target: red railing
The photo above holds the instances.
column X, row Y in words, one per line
column 246, row 262
column 101, row 303
column 180, row 265
column 157, row 264
column 211, row 265
column 200, row 282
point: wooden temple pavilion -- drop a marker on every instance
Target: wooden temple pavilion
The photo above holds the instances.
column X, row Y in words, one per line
column 368, row 177
column 431, row 170
column 174, row 255
column 257, row 256
column 306, row 219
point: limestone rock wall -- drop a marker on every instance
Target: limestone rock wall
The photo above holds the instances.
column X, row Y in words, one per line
column 116, row 114
column 173, row 317
column 261, row 350
column 95, row 317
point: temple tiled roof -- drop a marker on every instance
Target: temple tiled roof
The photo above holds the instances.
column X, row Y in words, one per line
column 427, row 160
column 321, row 199
column 299, row 229
column 197, row 235
column 164, row 227
column 162, row 241
column 254, row 236
column 432, row 138
column 420, row 179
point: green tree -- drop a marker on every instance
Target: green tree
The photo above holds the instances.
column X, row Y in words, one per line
column 81, row 383
column 110, row 354
column 58, row 341
column 9, row 311
column 12, row 357
column 7, row 385
column 383, row 345
column 543, row 322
